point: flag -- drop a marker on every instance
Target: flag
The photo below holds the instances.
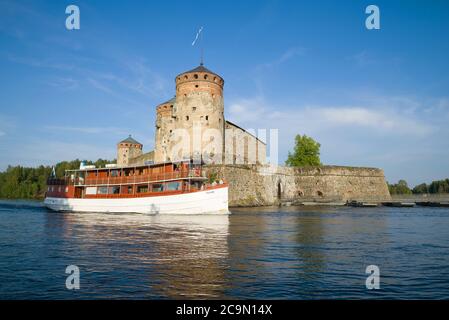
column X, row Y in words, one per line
column 197, row 35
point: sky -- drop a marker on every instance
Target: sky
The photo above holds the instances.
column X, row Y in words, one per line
column 375, row 98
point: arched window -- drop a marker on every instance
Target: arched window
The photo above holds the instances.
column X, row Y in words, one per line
column 195, row 76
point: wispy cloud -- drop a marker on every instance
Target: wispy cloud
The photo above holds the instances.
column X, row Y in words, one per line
column 100, row 85
column 289, row 54
column 65, row 83
column 363, row 59
column 40, row 63
column 55, row 151
column 313, row 118
column 88, row 130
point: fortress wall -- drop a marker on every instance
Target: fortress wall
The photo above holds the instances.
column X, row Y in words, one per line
column 140, row 160
column 264, row 185
column 241, row 147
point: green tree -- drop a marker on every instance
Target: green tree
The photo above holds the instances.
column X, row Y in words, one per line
column 439, row 186
column 306, row 153
column 420, row 189
column 31, row 183
column 399, row 188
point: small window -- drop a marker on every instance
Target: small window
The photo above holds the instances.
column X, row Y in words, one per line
column 207, row 117
column 114, row 173
column 173, row 186
column 114, row 190
column 142, row 189
column 195, row 76
column 158, row 187
column 187, row 118
column 130, row 189
column 102, row 190
column 194, row 109
column 205, row 77
column 196, row 86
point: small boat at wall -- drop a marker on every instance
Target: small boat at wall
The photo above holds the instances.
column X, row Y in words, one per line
column 161, row 188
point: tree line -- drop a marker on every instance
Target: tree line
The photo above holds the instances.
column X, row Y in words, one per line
column 438, row 186
column 18, row 182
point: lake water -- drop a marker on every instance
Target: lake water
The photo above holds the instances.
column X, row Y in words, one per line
column 261, row 253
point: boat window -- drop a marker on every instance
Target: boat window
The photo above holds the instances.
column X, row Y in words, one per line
column 114, row 173
column 158, row 187
column 173, row 186
column 141, row 189
column 114, row 190
column 102, row 190
column 130, row 189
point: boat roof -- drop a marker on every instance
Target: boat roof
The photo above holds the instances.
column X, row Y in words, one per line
column 132, row 166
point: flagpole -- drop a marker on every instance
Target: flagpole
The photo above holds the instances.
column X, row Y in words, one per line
column 202, row 48
column 199, row 37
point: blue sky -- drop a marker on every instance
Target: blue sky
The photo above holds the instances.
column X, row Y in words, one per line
column 375, row 98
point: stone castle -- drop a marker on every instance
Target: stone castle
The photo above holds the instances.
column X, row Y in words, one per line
column 196, row 115
column 192, row 125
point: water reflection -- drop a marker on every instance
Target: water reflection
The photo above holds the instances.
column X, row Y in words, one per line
column 260, row 253
column 310, row 234
column 173, row 256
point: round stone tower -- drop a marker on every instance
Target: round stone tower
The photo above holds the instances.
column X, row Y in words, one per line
column 165, row 124
column 128, row 149
column 197, row 107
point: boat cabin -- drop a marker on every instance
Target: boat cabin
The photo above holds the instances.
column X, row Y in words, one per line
column 129, row 181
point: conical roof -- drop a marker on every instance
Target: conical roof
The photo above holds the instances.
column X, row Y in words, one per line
column 171, row 101
column 200, row 68
column 130, row 140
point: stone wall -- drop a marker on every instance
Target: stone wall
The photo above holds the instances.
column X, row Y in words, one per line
column 258, row 185
column 242, row 147
column 140, row 160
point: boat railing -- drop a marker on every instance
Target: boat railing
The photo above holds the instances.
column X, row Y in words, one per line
column 131, row 179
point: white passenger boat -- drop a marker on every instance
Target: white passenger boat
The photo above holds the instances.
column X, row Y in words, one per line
column 164, row 188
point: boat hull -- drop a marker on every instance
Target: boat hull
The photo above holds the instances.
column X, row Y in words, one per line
column 213, row 201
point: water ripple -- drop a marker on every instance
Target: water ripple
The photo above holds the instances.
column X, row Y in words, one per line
column 256, row 253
